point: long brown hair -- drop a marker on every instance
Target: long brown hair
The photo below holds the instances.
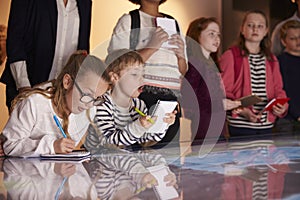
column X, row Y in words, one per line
column 265, row 44
column 194, row 31
column 78, row 65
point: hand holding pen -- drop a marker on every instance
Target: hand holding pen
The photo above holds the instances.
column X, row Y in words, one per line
column 64, row 144
column 146, row 120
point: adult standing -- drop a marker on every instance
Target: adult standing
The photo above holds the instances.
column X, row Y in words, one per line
column 41, row 37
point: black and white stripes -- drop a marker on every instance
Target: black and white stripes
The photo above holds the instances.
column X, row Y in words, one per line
column 258, row 86
column 120, row 126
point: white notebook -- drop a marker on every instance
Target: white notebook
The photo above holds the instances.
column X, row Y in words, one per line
column 163, row 191
column 73, row 156
column 169, row 25
column 160, row 110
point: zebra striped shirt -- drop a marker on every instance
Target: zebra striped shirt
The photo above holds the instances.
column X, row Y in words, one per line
column 112, row 172
column 258, row 86
column 119, row 126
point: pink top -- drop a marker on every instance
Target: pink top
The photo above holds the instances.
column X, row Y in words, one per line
column 242, row 85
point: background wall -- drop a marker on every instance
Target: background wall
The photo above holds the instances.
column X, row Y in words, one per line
column 4, row 11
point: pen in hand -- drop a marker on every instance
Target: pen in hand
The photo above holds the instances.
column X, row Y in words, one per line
column 143, row 115
column 59, row 126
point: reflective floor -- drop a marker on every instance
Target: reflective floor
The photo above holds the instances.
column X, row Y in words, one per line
column 266, row 168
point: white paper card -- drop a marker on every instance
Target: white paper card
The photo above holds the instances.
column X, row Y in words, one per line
column 169, row 25
column 162, row 190
column 160, row 110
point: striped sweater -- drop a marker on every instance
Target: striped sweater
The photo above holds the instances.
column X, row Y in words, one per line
column 119, row 126
column 111, row 173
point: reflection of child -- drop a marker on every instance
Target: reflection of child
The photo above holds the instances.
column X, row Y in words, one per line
column 259, row 74
column 125, row 175
column 289, row 61
column 26, row 176
column 117, row 118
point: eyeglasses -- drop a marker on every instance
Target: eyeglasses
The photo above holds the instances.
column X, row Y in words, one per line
column 87, row 98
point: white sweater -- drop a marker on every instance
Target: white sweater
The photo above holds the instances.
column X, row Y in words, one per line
column 161, row 69
column 31, row 129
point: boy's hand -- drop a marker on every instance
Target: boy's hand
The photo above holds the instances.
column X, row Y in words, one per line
column 170, row 117
column 147, row 121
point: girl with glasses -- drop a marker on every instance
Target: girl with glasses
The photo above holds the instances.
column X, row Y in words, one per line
column 31, row 129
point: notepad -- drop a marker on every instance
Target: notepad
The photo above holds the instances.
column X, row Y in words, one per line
column 275, row 101
column 73, row 156
column 169, row 25
column 249, row 100
column 160, row 110
column 163, row 191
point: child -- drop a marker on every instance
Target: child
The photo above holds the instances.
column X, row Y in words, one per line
column 164, row 67
column 117, row 119
column 258, row 74
column 277, row 47
column 289, row 62
column 203, row 77
column 31, row 129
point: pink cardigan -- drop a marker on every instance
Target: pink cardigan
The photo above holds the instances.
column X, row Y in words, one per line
column 242, row 85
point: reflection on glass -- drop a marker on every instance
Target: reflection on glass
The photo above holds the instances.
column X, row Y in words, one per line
column 35, row 179
column 118, row 174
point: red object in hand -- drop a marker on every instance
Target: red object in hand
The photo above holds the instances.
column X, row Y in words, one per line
column 275, row 101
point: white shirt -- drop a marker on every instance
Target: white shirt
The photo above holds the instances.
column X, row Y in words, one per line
column 66, row 43
column 161, row 69
column 66, row 36
column 31, row 129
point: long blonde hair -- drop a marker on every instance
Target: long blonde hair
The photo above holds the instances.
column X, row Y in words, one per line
column 78, row 60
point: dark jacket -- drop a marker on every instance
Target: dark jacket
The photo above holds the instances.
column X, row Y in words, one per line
column 31, row 36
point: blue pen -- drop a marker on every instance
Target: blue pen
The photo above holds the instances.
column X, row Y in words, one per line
column 59, row 126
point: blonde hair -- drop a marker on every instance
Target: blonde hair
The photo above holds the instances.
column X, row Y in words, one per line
column 288, row 25
column 78, row 65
